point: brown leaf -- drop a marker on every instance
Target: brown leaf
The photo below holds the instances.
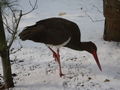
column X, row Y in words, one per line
column 106, row 80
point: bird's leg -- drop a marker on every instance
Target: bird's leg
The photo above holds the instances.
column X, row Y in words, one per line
column 54, row 54
column 57, row 58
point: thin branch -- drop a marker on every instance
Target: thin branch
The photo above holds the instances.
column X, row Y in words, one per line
column 89, row 17
column 97, row 9
column 8, row 28
column 93, row 19
column 31, row 4
column 15, row 32
column 12, row 11
column 33, row 8
column 13, row 52
column 15, row 21
column 7, row 25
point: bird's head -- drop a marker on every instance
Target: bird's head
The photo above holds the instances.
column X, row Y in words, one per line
column 92, row 48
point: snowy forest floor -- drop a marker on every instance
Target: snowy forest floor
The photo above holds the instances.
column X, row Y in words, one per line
column 35, row 67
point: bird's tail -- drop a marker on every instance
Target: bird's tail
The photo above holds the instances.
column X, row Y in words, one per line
column 25, row 34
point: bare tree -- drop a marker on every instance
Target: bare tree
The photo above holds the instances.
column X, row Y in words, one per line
column 4, row 53
column 11, row 25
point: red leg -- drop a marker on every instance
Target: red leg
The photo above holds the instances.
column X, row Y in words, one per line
column 54, row 54
column 57, row 58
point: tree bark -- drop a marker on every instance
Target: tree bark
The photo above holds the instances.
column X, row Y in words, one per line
column 112, row 20
column 4, row 53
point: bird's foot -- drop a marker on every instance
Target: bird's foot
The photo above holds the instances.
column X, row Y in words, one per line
column 61, row 74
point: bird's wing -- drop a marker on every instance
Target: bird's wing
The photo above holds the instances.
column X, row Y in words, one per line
column 55, row 36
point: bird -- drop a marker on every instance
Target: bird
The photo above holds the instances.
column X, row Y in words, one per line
column 59, row 32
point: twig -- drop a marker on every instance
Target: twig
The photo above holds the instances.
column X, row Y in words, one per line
column 12, row 52
column 15, row 30
column 89, row 17
column 97, row 9
column 15, row 20
column 7, row 26
column 33, row 8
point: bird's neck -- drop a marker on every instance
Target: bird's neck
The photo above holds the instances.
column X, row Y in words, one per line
column 83, row 46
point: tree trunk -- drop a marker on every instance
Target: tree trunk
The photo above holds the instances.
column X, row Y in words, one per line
column 4, row 53
column 7, row 69
column 112, row 20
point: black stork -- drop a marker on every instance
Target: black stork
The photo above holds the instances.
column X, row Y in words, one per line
column 59, row 32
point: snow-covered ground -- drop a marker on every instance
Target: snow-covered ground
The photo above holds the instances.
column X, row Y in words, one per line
column 36, row 68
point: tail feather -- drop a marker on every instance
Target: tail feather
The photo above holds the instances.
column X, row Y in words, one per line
column 26, row 34
column 29, row 32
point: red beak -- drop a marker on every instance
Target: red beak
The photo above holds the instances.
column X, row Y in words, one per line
column 97, row 60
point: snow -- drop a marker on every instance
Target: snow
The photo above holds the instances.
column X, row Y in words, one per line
column 36, row 68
